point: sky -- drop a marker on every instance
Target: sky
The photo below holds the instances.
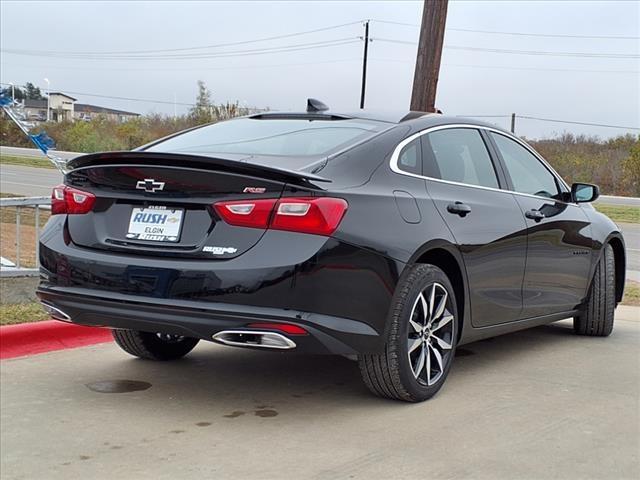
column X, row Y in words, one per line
column 588, row 87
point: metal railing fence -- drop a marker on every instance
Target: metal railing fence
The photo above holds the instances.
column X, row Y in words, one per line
column 37, row 204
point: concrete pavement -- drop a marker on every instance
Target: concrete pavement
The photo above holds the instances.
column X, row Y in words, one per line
column 542, row 403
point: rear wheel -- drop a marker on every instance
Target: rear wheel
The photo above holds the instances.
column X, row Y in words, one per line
column 421, row 341
column 596, row 317
column 153, row 346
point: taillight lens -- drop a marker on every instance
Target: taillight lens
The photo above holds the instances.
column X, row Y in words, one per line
column 320, row 216
column 315, row 215
column 253, row 213
column 70, row 200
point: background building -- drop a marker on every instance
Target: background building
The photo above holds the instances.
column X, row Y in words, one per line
column 64, row 107
column 84, row 111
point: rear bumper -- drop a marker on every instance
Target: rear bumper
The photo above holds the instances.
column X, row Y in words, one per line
column 338, row 292
column 204, row 319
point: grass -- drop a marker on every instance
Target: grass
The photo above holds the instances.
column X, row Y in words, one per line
column 39, row 162
column 620, row 213
column 11, row 314
column 631, row 294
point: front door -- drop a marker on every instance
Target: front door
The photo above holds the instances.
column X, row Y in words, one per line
column 559, row 244
column 485, row 221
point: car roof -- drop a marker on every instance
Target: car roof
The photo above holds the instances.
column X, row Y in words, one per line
column 411, row 118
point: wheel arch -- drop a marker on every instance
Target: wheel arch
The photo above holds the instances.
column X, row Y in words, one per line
column 445, row 256
column 619, row 255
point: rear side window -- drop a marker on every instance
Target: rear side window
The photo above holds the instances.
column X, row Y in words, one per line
column 278, row 137
column 527, row 173
column 459, row 155
column 410, row 159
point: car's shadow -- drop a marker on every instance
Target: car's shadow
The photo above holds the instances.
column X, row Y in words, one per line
column 232, row 376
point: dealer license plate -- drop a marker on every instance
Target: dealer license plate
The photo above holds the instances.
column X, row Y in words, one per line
column 158, row 224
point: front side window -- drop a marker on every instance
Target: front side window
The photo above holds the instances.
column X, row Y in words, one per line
column 459, row 155
column 527, row 173
column 278, row 137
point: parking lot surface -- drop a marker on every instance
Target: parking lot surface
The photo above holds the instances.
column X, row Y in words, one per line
column 542, row 403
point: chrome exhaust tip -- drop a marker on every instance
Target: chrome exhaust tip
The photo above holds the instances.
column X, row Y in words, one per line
column 55, row 312
column 254, row 338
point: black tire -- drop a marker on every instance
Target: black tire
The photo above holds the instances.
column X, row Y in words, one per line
column 390, row 374
column 153, row 346
column 596, row 317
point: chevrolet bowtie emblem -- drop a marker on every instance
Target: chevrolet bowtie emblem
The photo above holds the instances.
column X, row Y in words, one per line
column 149, row 185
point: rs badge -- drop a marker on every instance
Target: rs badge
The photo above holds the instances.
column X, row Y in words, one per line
column 219, row 250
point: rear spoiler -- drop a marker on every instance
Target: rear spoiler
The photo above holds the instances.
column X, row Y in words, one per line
column 195, row 161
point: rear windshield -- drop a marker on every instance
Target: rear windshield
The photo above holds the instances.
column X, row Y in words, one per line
column 280, row 137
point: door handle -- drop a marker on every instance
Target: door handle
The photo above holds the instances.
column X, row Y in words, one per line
column 536, row 215
column 459, row 208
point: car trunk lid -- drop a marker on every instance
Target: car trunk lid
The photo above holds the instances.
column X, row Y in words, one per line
column 162, row 204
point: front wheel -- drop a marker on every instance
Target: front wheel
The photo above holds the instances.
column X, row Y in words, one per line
column 153, row 346
column 421, row 340
column 596, row 316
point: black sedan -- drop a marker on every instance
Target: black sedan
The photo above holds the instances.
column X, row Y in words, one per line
column 395, row 238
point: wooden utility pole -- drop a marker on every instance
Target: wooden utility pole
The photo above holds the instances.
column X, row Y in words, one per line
column 425, row 79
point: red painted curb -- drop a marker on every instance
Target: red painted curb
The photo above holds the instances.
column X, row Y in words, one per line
column 40, row 337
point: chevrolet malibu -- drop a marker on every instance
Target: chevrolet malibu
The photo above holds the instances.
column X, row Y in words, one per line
column 393, row 238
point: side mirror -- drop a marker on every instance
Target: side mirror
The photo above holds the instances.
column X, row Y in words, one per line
column 584, row 192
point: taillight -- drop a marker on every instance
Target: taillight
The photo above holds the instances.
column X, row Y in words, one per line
column 315, row 215
column 70, row 200
column 253, row 213
column 320, row 216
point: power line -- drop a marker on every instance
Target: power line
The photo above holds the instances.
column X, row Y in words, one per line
column 527, row 117
column 636, row 72
column 535, row 69
column 520, row 52
column 548, row 35
column 235, row 53
column 297, row 64
column 243, row 42
column 523, row 34
column 578, row 123
column 199, row 69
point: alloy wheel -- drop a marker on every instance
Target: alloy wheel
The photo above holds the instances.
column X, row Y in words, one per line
column 430, row 334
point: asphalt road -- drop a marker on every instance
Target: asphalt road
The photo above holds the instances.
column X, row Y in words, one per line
column 542, row 403
column 34, row 152
column 28, row 181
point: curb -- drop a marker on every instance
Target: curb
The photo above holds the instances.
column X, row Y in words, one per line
column 40, row 337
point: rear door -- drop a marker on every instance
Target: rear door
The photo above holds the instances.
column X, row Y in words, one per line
column 559, row 240
column 485, row 221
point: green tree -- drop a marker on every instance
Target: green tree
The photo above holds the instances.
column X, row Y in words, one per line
column 32, row 92
column 202, row 111
column 631, row 168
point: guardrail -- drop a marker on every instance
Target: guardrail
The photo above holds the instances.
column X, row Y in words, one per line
column 14, row 265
